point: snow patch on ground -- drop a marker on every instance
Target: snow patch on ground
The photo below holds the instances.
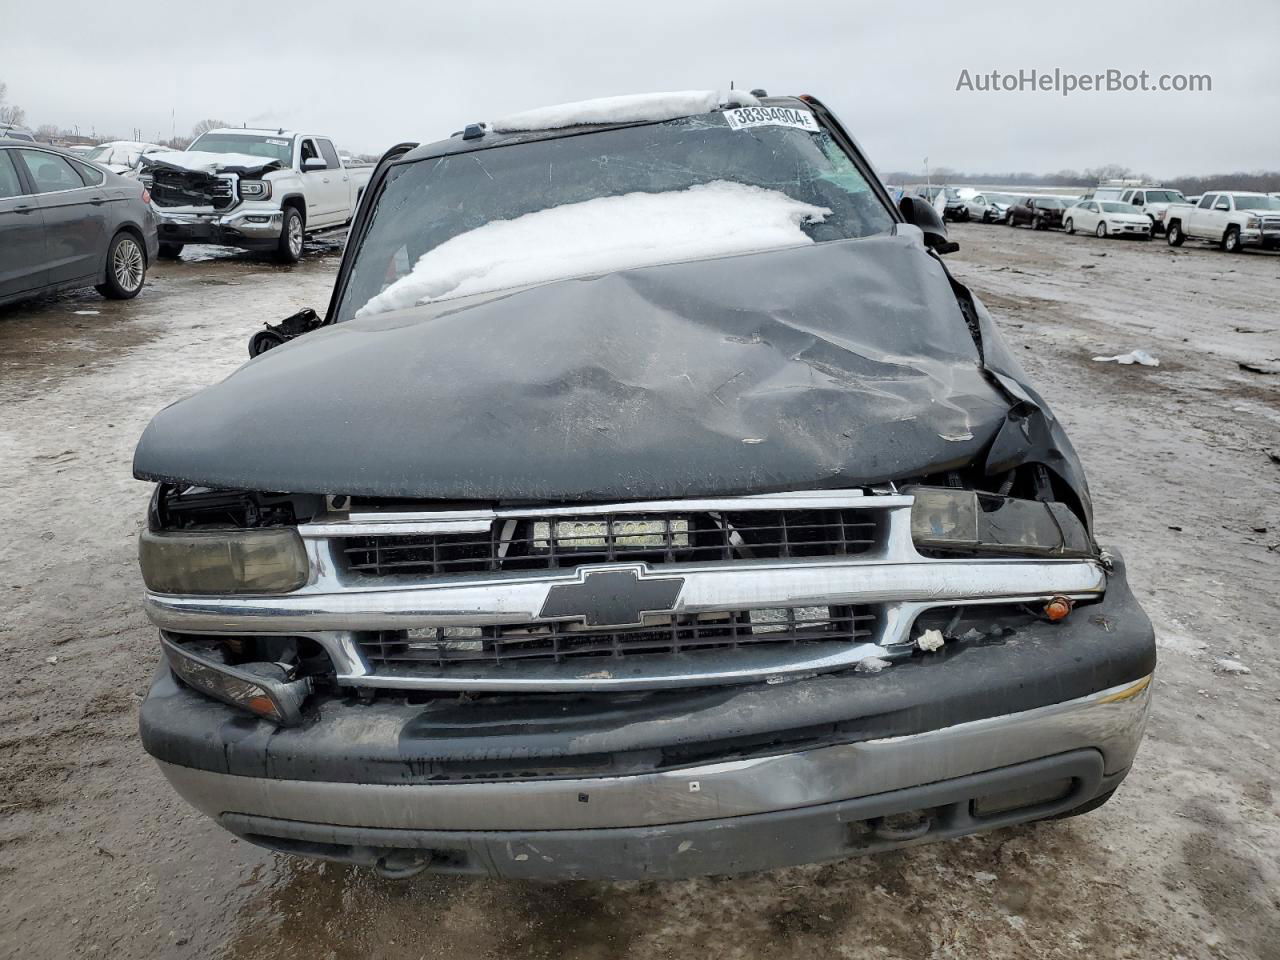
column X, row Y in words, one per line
column 204, row 162
column 601, row 236
column 631, row 108
column 1228, row 665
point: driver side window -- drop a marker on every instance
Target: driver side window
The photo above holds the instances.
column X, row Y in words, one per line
column 309, row 152
column 1207, row 200
column 51, row 172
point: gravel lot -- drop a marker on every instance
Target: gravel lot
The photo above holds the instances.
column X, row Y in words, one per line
column 99, row 858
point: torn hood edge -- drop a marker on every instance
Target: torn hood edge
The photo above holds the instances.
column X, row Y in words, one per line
column 235, row 164
column 226, row 446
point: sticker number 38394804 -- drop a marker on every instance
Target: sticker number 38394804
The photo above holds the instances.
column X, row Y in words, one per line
column 742, row 117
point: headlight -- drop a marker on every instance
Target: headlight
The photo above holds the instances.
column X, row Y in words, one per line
column 271, row 560
column 255, row 189
column 943, row 518
column 147, row 180
column 1253, row 223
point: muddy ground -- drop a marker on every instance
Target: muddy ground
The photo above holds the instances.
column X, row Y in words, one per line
column 99, row 858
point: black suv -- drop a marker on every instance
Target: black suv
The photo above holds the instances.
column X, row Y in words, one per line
column 650, row 501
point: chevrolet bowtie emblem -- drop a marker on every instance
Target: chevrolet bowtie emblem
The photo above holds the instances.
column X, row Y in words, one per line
column 612, row 598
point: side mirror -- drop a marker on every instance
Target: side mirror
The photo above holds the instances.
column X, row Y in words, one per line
column 314, row 163
column 920, row 212
column 294, row 325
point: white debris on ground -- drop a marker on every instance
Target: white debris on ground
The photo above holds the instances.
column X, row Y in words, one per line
column 983, row 877
column 871, row 665
column 201, row 161
column 87, row 313
column 601, row 236
column 630, row 108
column 1227, row 665
column 930, row 640
column 1134, row 356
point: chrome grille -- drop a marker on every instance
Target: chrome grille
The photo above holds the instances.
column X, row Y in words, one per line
column 568, row 541
column 730, row 629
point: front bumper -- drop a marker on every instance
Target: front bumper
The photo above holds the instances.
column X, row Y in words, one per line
column 721, row 818
column 1129, row 229
column 678, row 782
column 242, row 228
column 1267, row 239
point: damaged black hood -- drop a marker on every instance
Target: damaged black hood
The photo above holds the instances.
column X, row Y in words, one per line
column 839, row 364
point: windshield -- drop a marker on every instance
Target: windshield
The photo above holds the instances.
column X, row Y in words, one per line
column 1001, row 198
column 1165, row 196
column 99, row 153
column 1257, row 203
column 1116, row 208
column 254, row 144
column 594, row 203
column 1050, row 203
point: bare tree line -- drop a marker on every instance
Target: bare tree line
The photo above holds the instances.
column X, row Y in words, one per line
column 10, row 113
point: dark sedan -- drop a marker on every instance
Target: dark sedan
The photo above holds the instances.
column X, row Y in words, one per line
column 1040, row 212
column 65, row 223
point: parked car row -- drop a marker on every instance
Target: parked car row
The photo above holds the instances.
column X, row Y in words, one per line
column 1233, row 219
column 101, row 217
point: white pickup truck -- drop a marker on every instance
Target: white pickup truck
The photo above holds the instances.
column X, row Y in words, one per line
column 255, row 189
column 1233, row 219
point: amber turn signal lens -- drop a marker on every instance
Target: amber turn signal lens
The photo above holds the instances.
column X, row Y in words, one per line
column 1058, row 608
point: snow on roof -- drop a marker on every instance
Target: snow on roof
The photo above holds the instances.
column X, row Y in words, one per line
column 265, row 131
column 601, row 236
column 631, row 108
column 205, row 162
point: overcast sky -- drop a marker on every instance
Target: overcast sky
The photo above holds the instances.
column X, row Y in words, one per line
column 374, row 73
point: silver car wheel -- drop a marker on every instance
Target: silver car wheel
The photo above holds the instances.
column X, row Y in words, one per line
column 128, row 264
column 295, row 236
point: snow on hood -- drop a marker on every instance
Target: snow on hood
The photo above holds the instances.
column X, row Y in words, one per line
column 200, row 161
column 601, row 236
column 631, row 108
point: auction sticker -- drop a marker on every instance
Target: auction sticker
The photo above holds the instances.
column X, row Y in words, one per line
column 740, row 118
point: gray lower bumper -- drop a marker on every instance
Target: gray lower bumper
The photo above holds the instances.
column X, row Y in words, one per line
column 818, row 801
column 728, row 845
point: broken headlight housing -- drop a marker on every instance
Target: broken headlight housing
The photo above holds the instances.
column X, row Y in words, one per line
column 270, row 560
column 267, row 690
column 970, row 521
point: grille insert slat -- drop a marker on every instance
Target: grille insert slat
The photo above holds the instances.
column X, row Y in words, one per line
column 443, row 647
column 542, row 543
